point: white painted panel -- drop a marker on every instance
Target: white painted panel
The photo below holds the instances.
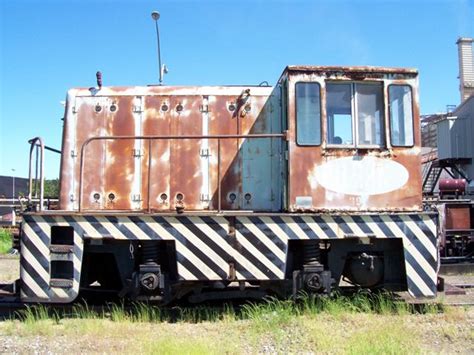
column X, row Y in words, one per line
column 360, row 176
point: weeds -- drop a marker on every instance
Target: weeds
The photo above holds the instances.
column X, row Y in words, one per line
column 363, row 322
column 271, row 315
column 5, row 241
column 83, row 311
column 38, row 313
column 271, row 312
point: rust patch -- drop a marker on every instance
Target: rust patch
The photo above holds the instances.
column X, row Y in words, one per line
column 157, row 121
column 90, row 122
column 185, row 159
column 223, row 121
column 367, row 71
column 119, row 165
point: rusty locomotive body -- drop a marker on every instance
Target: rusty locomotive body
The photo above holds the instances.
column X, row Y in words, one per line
column 207, row 192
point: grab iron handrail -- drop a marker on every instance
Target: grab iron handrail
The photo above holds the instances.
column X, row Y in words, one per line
column 35, row 142
column 171, row 137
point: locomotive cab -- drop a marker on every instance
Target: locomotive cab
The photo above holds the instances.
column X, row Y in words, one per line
column 354, row 139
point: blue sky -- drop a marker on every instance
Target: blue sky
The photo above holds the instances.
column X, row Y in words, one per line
column 47, row 47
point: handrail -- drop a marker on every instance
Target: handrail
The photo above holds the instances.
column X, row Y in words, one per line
column 219, row 137
column 34, row 143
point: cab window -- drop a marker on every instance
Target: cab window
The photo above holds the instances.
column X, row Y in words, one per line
column 308, row 114
column 401, row 115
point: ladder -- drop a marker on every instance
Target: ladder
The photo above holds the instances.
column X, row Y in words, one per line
column 431, row 174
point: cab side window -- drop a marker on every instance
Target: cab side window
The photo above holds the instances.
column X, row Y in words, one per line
column 308, row 114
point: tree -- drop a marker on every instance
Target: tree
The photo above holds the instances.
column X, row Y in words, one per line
column 51, row 188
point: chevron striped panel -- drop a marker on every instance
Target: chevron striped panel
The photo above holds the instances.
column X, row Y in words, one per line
column 418, row 232
column 35, row 260
column 206, row 245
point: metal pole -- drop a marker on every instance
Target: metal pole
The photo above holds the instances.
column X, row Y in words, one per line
column 37, row 143
column 30, row 175
column 36, row 172
column 149, row 176
column 219, row 199
column 159, row 52
column 41, row 174
column 13, row 187
column 13, row 199
column 156, row 15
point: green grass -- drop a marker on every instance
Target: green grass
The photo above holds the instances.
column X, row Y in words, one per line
column 359, row 324
column 5, row 241
column 267, row 314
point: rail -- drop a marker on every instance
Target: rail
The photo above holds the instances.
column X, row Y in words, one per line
column 35, row 142
column 171, row 137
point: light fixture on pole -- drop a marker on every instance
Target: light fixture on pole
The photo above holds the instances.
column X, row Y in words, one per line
column 155, row 15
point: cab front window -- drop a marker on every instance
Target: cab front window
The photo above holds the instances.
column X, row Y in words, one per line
column 355, row 114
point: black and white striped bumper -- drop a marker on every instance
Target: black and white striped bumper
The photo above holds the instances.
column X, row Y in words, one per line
column 257, row 245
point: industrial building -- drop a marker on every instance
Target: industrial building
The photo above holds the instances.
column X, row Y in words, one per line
column 447, row 138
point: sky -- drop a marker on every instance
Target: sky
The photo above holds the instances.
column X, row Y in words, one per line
column 49, row 46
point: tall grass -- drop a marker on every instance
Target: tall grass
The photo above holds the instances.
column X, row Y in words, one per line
column 360, row 323
column 268, row 313
column 5, row 241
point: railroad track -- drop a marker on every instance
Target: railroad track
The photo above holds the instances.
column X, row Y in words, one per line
column 457, row 268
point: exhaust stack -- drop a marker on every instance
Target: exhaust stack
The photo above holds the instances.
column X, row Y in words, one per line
column 466, row 67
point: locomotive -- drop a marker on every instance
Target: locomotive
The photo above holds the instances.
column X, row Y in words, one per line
column 212, row 192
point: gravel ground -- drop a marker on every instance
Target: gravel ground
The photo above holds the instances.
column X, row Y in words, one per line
column 9, row 268
column 450, row 333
